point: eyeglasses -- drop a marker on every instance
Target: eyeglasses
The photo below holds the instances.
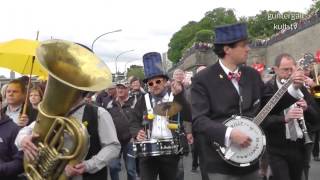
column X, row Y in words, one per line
column 151, row 83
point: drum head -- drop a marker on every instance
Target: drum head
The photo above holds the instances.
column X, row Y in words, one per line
column 239, row 156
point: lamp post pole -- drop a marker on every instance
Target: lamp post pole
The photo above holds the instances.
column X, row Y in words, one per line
column 115, row 61
column 129, row 62
column 118, row 30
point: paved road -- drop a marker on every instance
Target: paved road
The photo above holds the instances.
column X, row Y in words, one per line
column 314, row 171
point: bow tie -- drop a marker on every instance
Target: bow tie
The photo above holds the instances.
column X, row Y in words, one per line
column 235, row 76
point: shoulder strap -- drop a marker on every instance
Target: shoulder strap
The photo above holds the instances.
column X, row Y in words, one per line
column 171, row 97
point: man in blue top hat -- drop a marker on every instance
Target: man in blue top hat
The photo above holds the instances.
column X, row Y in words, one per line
column 162, row 159
column 228, row 88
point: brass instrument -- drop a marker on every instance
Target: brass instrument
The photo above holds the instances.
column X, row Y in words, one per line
column 315, row 90
column 306, row 62
column 72, row 69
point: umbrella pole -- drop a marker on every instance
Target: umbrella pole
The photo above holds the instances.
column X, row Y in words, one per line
column 24, row 111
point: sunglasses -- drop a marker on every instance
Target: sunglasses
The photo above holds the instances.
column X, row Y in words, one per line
column 151, row 83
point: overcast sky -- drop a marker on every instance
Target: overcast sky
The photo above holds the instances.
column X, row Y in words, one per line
column 147, row 25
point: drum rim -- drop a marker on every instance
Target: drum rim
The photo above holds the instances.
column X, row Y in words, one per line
column 174, row 150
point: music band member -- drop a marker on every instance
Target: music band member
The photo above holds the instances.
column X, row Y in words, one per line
column 286, row 146
column 226, row 88
column 165, row 166
column 104, row 144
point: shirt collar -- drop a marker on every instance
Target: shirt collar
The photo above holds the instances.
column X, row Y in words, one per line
column 14, row 110
column 225, row 69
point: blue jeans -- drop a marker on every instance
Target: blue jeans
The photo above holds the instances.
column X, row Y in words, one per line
column 115, row 168
column 130, row 163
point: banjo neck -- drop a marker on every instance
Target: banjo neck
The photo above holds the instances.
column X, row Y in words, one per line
column 271, row 103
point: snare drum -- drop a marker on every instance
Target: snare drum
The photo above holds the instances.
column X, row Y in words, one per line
column 155, row 147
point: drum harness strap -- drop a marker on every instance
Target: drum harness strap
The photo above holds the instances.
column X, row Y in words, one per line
column 149, row 107
column 148, row 102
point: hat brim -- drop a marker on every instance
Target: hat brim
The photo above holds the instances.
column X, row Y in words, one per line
column 162, row 75
column 121, row 85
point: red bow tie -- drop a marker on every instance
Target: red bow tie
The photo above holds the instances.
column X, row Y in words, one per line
column 235, row 76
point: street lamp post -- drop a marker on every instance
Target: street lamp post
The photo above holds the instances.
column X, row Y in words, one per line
column 124, row 52
column 118, row 30
column 115, row 61
column 129, row 62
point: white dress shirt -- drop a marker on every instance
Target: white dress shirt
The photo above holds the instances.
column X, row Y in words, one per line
column 14, row 114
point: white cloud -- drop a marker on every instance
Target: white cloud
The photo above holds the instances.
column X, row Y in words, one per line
column 147, row 25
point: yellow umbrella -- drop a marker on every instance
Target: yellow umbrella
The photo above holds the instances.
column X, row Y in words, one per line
column 17, row 55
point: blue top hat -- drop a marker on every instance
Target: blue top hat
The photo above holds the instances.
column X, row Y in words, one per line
column 230, row 33
column 153, row 66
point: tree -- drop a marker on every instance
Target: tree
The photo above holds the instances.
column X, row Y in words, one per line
column 217, row 17
column 315, row 7
column 180, row 39
column 260, row 26
column 204, row 35
column 267, row 23
column 184, row 38
column 136, row 71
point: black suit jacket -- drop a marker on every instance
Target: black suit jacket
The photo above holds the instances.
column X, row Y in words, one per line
column 215, row 99
column 274, row 125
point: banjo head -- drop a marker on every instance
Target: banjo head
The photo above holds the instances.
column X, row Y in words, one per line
column 242, row 157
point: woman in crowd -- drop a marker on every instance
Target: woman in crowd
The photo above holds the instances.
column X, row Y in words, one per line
column 35, row 97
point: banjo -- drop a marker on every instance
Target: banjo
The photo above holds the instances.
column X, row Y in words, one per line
column 242, row 157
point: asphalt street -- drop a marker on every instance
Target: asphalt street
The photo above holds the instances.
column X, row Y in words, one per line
column 188, row 175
